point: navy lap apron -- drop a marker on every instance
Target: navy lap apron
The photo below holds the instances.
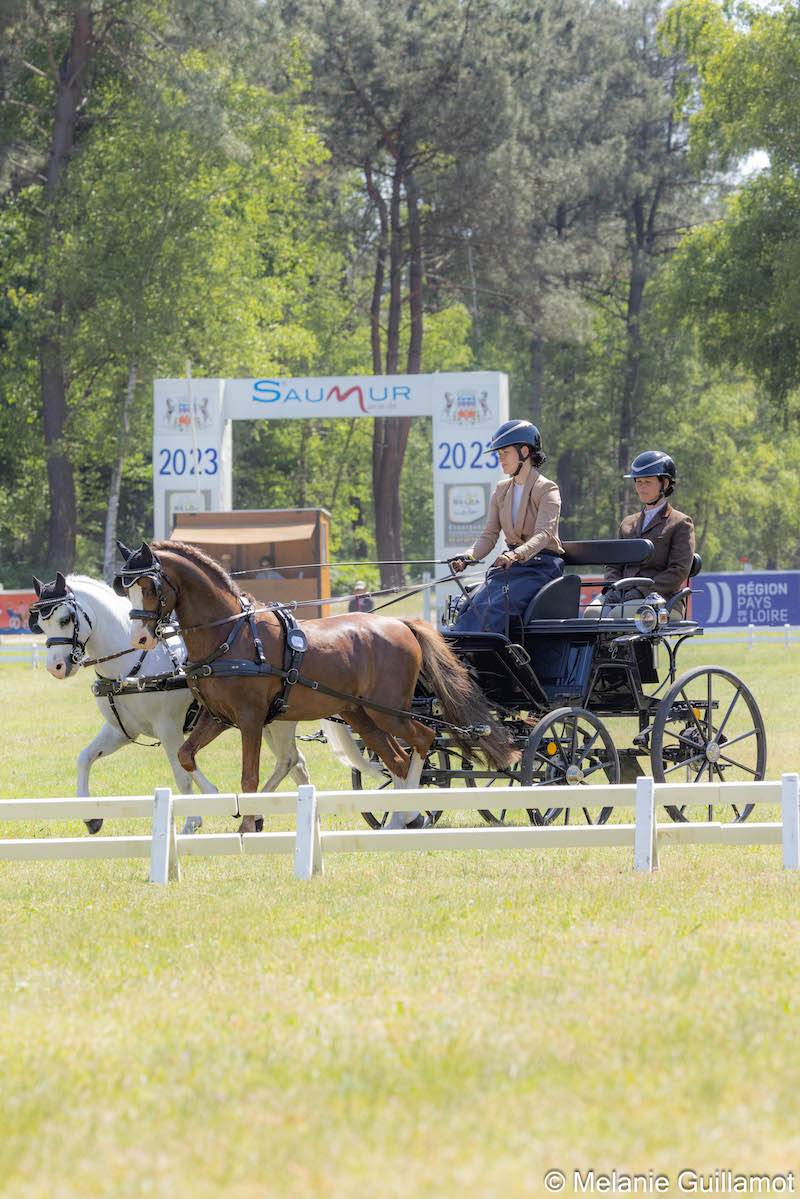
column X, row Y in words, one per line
column 489, row 606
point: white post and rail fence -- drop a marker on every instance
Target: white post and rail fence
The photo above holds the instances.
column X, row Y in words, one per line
column 310, row 842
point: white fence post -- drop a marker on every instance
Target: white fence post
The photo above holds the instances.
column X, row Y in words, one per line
column 787, row 635
column 645, row 842
column 308, row 845
column 790, row 812
column 751, row 636
column 164, row 863
column 426, row 597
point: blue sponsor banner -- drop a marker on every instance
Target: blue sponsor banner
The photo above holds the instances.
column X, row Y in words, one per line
column 767, row 597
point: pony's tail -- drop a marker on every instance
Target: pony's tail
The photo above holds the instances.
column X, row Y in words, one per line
column 462, row 702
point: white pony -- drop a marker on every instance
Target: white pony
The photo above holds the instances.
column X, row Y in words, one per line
column 81, row 617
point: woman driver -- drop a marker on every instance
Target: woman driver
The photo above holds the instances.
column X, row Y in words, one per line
column 525, row 507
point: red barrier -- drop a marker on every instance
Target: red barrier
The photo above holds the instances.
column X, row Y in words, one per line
column 14, row 610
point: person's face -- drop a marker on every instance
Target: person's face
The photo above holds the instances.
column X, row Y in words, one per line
column 648, row 490
column 509, row 459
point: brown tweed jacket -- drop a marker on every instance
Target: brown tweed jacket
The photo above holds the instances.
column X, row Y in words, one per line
column 536, row 526
column 672, row 535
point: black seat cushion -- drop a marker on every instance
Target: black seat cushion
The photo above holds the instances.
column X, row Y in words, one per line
column 558, row 600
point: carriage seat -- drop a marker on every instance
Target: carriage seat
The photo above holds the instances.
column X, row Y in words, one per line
column 558, row 600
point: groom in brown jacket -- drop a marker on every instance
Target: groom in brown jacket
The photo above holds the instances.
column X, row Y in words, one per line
column 671, row 532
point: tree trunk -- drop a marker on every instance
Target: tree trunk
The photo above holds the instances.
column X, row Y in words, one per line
column 415, row 306
column 72, row 75
column 112, row 512
column 537, row 379
column 631, row 388
column 380, row 264
column 390, row 433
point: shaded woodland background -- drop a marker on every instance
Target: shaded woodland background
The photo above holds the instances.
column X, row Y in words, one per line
column 599, row 198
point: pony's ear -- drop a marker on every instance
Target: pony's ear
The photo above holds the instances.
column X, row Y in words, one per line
column 123, row 549
column 61, row 582
column 147, row 554
column 37, row 585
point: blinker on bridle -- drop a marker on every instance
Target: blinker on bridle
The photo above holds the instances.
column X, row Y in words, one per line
column 46, row 608
column 160, row 618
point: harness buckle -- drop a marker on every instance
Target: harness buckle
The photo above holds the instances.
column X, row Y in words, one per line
column 292, row 675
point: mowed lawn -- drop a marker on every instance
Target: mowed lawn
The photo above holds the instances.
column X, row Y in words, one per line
column 420, row 1025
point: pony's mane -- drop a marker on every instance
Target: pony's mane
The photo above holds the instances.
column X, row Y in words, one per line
column 100, row 593
column 193, row 554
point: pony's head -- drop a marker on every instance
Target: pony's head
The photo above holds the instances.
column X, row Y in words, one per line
column 151, row 594
column 65, row 623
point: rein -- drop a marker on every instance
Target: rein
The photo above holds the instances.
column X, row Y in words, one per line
column 291, row 605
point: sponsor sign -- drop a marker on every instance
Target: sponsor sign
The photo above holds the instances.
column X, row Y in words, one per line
column 466, row 505
column 14, row 610
column 749, row 597
column 192, row 466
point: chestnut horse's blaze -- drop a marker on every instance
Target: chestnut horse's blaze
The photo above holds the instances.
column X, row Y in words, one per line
column 367, row 657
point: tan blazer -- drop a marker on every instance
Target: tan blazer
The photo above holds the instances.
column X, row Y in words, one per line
column 536, row 526
column 672, row 535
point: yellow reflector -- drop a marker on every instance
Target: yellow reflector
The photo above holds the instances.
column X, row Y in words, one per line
column 698, row 712
column 552, row 748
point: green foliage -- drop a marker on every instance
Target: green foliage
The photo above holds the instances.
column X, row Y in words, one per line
column 737, row 279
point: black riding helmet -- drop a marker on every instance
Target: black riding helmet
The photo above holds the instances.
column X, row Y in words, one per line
column 518, row 433
column 655, row 464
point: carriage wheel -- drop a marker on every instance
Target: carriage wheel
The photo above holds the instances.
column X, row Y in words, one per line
column 708, row 728
column 437, row 759
column 513, row 777
column 570, row 747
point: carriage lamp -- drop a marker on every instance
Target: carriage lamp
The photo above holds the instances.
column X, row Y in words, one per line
column 652, row 614
column 646, row 619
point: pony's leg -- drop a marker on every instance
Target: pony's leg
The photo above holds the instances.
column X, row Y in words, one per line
column 183, row 778
column 280, row 737
column 404, row 768
column 344, row 747
column 420, row 738
column 206, row 730
column 251, row 731
column 172, row 739
column 107, row 741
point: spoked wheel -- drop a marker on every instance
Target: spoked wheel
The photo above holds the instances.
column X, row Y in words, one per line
column 570, row 747
column 708, row 729
column 436, row 761
column 514, row 777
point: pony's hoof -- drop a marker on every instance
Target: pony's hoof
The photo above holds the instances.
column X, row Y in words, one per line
column 191, row 825
column 93, row 826
column 251, row 824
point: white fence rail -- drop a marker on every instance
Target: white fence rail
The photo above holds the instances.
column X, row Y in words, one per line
column 751, row 635
column 309, row 842
column 12, row 650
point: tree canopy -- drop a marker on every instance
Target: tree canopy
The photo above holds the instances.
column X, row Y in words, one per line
column 555, row 190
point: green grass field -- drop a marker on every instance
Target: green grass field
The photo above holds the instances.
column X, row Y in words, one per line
column 419, row 1025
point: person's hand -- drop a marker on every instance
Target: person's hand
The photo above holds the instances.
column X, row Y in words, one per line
column 505, row 560
column 459, row 564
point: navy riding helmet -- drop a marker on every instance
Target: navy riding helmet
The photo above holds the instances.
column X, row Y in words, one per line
column 515, row 432
column 654, row 464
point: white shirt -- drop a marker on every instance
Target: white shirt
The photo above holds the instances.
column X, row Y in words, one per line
column 516, row 500
column 651, row 514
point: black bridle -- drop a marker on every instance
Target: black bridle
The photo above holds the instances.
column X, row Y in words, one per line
column 44, row 609
column 159, row 619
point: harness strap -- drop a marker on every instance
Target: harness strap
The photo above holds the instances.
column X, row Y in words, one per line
column 294, row 650
column 109, row 693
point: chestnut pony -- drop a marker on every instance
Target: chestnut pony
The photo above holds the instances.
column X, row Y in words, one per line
column 367, row 657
